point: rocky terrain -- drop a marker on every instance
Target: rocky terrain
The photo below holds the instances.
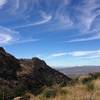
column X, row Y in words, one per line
column 9, row 65
column 26, row 75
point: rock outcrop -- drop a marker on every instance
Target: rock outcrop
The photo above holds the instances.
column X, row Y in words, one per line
column 36, row 73
column 9, row 65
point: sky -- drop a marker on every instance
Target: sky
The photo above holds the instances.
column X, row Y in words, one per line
column 61, row 32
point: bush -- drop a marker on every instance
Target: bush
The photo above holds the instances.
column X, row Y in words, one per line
column 90, row 86
column 6, row 93
column 97, row 75
column 9, row 93
column 74, row 81
column 87, row 80
column 62, row 91
column 49, row 92
column 20, row 90
column 92, row 76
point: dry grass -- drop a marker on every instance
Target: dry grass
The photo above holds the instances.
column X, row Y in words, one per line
column 76, row 92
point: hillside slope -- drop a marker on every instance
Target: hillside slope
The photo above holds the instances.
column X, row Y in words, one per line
column 30, row 74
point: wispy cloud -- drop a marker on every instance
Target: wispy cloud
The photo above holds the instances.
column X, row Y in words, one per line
column 89, row 14
column 45, row 20
column 9, row 37
column 86, row 54
column 86, row 13
column 91, row 38
column 62, row 14
column 5, row 38
column 17, row 4
column 83, row 18
column 2, row 2
column 58, row 54
column 21, row 41
column 82, row 54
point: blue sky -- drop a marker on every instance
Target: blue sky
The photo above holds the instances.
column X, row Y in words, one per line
column 62, row 32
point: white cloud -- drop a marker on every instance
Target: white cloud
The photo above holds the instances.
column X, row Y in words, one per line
column 2, row 2
column 54, row 55
column 59, row 54
column 5, row 38
column 46, row 19
column 7, row 35
column 86, row 54
column 95, row 37
column 65, row 20
column 26, row 41
column 66, row 2
column 82, row 54
column 87, row 13
column 84, row 15
column 17, row 4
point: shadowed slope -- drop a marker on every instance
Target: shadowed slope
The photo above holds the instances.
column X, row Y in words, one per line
column 33, row 74
column 8, row 65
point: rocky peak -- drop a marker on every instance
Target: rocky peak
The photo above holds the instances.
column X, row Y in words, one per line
column 41, row 74
column 38, row 62
column 2, row 49
column 8, row 65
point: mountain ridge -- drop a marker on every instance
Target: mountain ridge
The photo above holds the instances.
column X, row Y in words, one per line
column 32, row 74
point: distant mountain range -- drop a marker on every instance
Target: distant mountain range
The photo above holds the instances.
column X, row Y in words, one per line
column 79, row 70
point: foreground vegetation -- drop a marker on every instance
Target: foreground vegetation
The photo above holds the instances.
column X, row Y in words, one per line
column 83, row 88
